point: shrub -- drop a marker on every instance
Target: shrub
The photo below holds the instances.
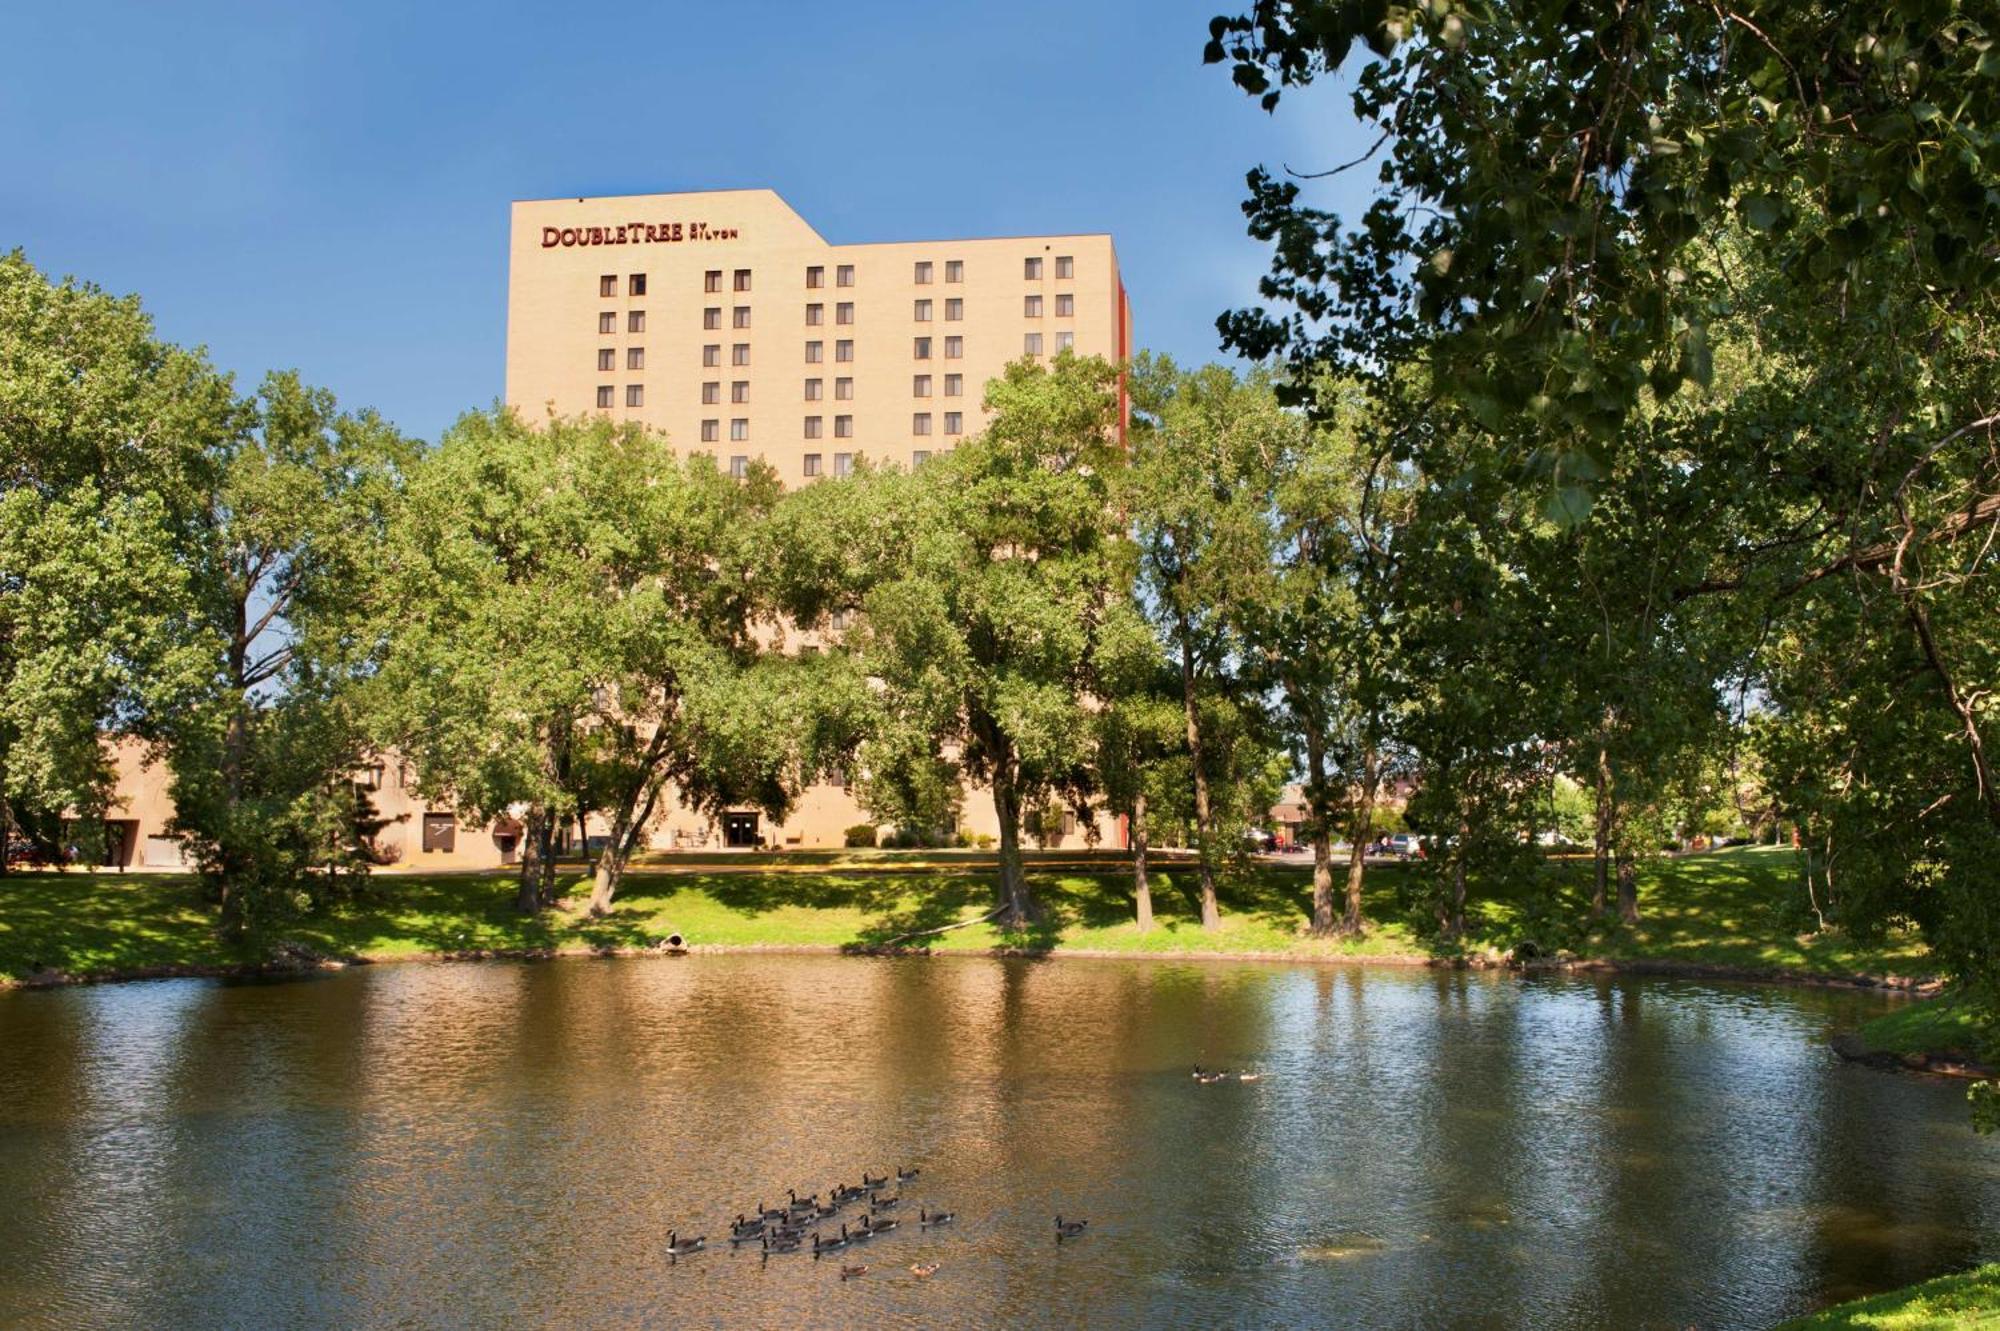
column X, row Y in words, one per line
column 860, row 835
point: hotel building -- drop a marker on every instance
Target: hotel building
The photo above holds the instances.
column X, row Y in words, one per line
column 723, row 319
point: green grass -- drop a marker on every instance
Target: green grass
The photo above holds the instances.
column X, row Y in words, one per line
column 1723, row 909
column 1968, row 1300
column 1934, row 1026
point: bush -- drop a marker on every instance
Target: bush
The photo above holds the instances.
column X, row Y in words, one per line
column 861, row 835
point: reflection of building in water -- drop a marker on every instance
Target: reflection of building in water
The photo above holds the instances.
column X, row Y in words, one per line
column 724, row 320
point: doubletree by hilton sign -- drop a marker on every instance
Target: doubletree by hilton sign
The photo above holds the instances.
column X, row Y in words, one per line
column 633, row 233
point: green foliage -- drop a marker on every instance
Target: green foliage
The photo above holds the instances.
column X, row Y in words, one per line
column 859, row 835
column 1970, row 1299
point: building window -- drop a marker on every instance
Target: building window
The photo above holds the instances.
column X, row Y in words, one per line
column 813, row 389
column 711, row 431
column 635, row 358
column 739, row 465
column 920, row 422
column 711, row 393
column 1065, row 340
column 1065, row 266
column 843, row 463
column 815, row 315
column 635, row 285
column 843, row 390
column 739, row 430
column 607, row 285
column 954, row 422
column 954, row 270
column 739, row 391
column 740, row 317
column 843, row 276
column 923, row 272
column 954, row 309
column 843, row 428
column 635, row 395
column 923, row 312
column 739, row 353
column 815, row 352
column 440, row 832
column 815, row 277
column 712, row 280
column 607, row 322
column 843, row 350
column 920, row 385
column 1065, row 306
column 920, row 348
column 711, row 318
column 1031, row 269
column 954, row 385
column 1031, row 307
column 604, row 393
column 843, row 313
column 1031, row 345
column 711, row 355
column 742, row 279
column 635, row 321
column 919, row 456
column 812, row 426
column 812, row 462
column 607, row 358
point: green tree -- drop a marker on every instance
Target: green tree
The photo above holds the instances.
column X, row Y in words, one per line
column 984, row 629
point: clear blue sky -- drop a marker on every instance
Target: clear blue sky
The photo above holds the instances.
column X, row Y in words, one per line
column 326, row 186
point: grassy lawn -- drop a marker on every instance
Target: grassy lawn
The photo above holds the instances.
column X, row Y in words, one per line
column 1968, row 1300
column 1934, row 1026
column 1727, row 908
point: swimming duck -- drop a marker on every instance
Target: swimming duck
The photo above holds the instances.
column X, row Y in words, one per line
column 929, row 1218
column 1069, row 1229
column 905, row 1175
column 678, row 1246
column 923, row 1270
column 1249, row 1076
column 853, row 1272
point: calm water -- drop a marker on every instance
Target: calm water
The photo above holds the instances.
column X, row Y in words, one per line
column 509, row 1144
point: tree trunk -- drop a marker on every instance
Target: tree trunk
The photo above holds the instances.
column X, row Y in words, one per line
column 1142, row 891
column 1320, row 827
column 1357, row 850
column 547, row 890
column 1453, row 915
column 1019, row 906
column 528, row 894
column 1601, row 865
column 611, row 863
column 1628, row 889
column 1204, row 823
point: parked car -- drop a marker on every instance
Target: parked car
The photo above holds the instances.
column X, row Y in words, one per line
column 1405, row 845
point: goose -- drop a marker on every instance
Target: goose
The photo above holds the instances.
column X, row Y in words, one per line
column 905, row 1175
column 847, row 1192
column 923, row 1270
column 879, row 1226
column 742, row 1226
column 824, row 1212
column 802, row 1203
column 1210, row 1078
column 1249, row 1076
column 787, row 1244
column 770, row 1212
column 821, row 1245
column 853, row 1272
column 879, row 1181
column 885, row 1203
column 1069, row 1229
column 677, row 1246
column 926, row 1219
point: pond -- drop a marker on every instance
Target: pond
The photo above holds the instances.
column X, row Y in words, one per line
column 508, row 1144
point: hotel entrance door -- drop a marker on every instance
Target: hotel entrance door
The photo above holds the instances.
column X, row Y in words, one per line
column 739, row 829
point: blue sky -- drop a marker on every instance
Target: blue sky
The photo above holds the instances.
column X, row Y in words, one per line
column 326, row 187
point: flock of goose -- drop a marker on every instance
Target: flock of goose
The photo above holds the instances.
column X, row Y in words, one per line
column 788, row 1228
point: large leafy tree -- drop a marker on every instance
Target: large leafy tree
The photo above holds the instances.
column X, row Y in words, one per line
column 284, row 560
column 985, row 630
column 107, row 436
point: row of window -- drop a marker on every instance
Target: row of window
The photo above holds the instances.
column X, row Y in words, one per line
column 843, row 313
column 843, row 465
column 815, row 426
column 635, row 321
column 635, row 395
column 739, row 389
column 954, row 271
